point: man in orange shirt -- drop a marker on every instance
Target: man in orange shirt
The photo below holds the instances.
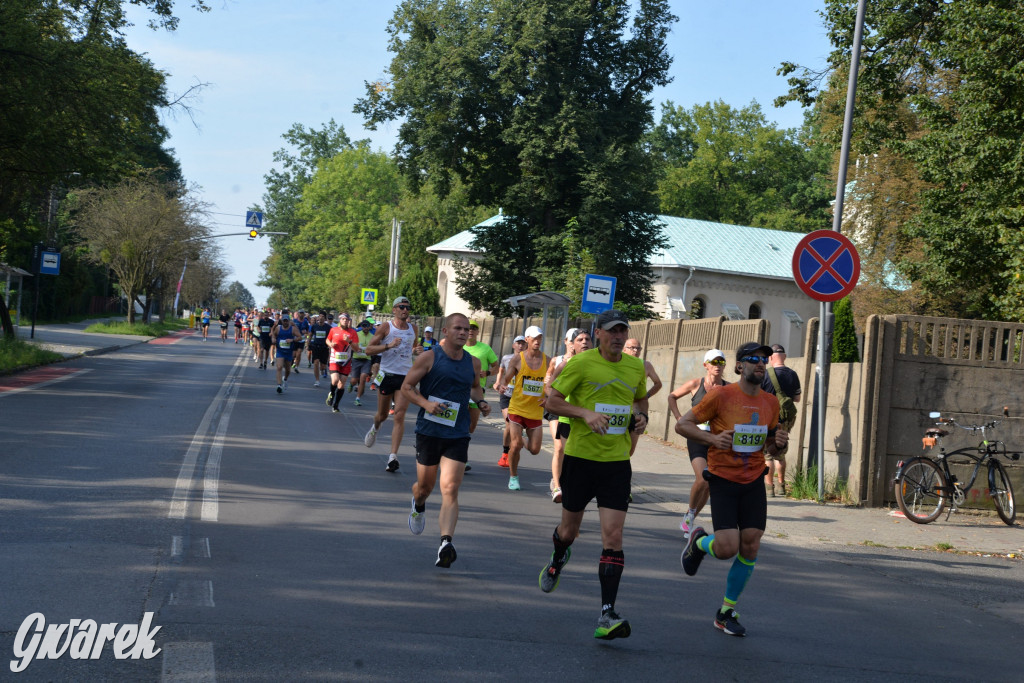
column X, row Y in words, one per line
column 744, row 423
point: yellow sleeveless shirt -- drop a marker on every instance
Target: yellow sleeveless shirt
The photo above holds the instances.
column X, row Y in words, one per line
column 525, row 400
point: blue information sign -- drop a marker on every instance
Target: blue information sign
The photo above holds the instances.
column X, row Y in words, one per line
column 254, row 219
column 50, row 263
column 598, row 294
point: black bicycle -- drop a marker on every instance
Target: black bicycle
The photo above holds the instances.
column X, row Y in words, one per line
column 925, row 486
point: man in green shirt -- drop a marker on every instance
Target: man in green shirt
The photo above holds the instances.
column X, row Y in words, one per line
column 604, row 394
column 488, row 366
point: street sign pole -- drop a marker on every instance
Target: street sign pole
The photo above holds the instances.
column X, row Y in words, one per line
column 825, row 316
column 37, row 260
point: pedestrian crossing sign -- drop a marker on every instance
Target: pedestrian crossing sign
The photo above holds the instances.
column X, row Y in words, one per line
column 369, row 296
column 254, row 219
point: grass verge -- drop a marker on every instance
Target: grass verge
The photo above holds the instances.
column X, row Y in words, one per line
column 15, row 354
column 805, row 486
column 139, row 329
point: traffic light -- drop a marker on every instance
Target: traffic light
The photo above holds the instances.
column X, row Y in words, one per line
column 254, row 233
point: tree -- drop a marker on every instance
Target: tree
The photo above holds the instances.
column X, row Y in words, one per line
column 237, row 296
column 284, row 187
column 142, row 229
column 540, row 108
column 732, row 166
column 844, row 334
column 940, row 86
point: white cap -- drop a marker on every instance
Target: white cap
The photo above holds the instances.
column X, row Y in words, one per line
column 428, row 328
column 520, row 338
column 713, row 354
column 569, row 333
column 533, row 331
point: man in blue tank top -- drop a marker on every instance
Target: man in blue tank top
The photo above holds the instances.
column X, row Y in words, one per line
column 448, row 378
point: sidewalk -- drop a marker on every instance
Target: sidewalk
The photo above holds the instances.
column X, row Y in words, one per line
column 71, row 339
column 662, row 476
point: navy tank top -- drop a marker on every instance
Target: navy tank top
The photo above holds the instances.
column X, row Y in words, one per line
column 448, row 381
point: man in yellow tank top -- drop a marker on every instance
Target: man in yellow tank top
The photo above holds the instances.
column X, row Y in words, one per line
column 526, row 408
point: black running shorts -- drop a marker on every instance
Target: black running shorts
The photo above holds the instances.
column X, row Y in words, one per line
column 583, row 480
column 390, row 384
column 430, row 450
column 319, row 352
column 737, row 506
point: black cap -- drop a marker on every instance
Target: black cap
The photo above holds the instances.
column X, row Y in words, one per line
column 779, row 348
column 611, row 318
column 753, row 348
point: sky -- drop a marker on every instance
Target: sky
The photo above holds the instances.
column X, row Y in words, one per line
column 270, row 64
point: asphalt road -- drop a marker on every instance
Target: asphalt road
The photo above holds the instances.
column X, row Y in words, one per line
column 270, row 544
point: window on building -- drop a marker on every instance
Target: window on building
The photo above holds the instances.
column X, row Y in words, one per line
column 697, row 308
column 442, row 288
column 754, row 312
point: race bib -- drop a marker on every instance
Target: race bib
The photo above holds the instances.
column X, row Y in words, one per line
column 448, row 417
column 321, row 334
column 340, row 357
column 533, row 387
column 618, row 416
column 265, row 329
column 379, row 379
column 749, row 438
column 511, row 388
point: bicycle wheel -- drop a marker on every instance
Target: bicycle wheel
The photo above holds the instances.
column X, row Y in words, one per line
column 1001, row 491
column 920, row 491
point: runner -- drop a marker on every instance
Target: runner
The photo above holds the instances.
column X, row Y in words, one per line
column 427, row 341
column 302, row 323
column 361, row 363
column 343, row 342
column 488, row 366
column 518, row 346
column 579, row 341
column 205, row 322
column 604, row 393
column 447, row 378
column 714, row 368
column 265, row 325
column 395, row 341
column 318, row 349
column 238, row 324
column 283, row 334
column 634, row 348
column 744, row 424
column 224, row 320
column 526, row 408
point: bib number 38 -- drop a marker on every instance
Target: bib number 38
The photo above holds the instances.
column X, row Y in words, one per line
column 618, row 417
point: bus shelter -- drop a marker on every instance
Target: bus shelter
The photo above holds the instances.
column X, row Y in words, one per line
column 10, row 272
column 554, row 312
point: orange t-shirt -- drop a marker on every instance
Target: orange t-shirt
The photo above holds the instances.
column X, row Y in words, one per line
column 751, row 416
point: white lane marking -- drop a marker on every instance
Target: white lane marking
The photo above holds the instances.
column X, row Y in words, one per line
column 183, row 486
column 176, row 543
column 192, row 593
column 200, row 549
column 188, row 662
column 31, row 387
column 211, row 478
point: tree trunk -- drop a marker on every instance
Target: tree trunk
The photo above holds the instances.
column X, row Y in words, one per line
column 5, row 318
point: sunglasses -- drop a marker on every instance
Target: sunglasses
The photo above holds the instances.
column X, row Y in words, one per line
column 752, row 359
column 717, row 361
column 402, row 307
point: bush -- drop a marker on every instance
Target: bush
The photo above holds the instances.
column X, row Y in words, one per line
column 844, row 336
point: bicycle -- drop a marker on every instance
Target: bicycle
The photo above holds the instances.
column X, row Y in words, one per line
column 924, row 486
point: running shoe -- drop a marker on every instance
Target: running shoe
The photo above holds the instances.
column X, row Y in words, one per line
column 550, row 575
column 286, row 385
column 392, row 465
column 357, row 402
column 556, row 495
column 686, row 525
column 417, row 520
column 513, row 484
column 468, row 468
column 330, row 396
column 391, row 412
column 692, row 555
column 445, row 555
column 611, row 626
column 727, row 620
column 335, row 410
column 279, row 389
column 503, row 460
column 370, row 438
column 316, row 384
column 295, row 369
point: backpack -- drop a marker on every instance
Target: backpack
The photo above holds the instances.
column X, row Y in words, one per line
column 787, row 408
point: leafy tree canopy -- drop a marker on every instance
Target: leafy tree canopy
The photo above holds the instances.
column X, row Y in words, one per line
column 540, row 108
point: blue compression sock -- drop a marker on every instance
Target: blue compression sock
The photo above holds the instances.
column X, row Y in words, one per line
column 706, row 543
column 739, row 574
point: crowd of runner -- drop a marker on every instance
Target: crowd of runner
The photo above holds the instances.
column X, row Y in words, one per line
column 594, row 399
